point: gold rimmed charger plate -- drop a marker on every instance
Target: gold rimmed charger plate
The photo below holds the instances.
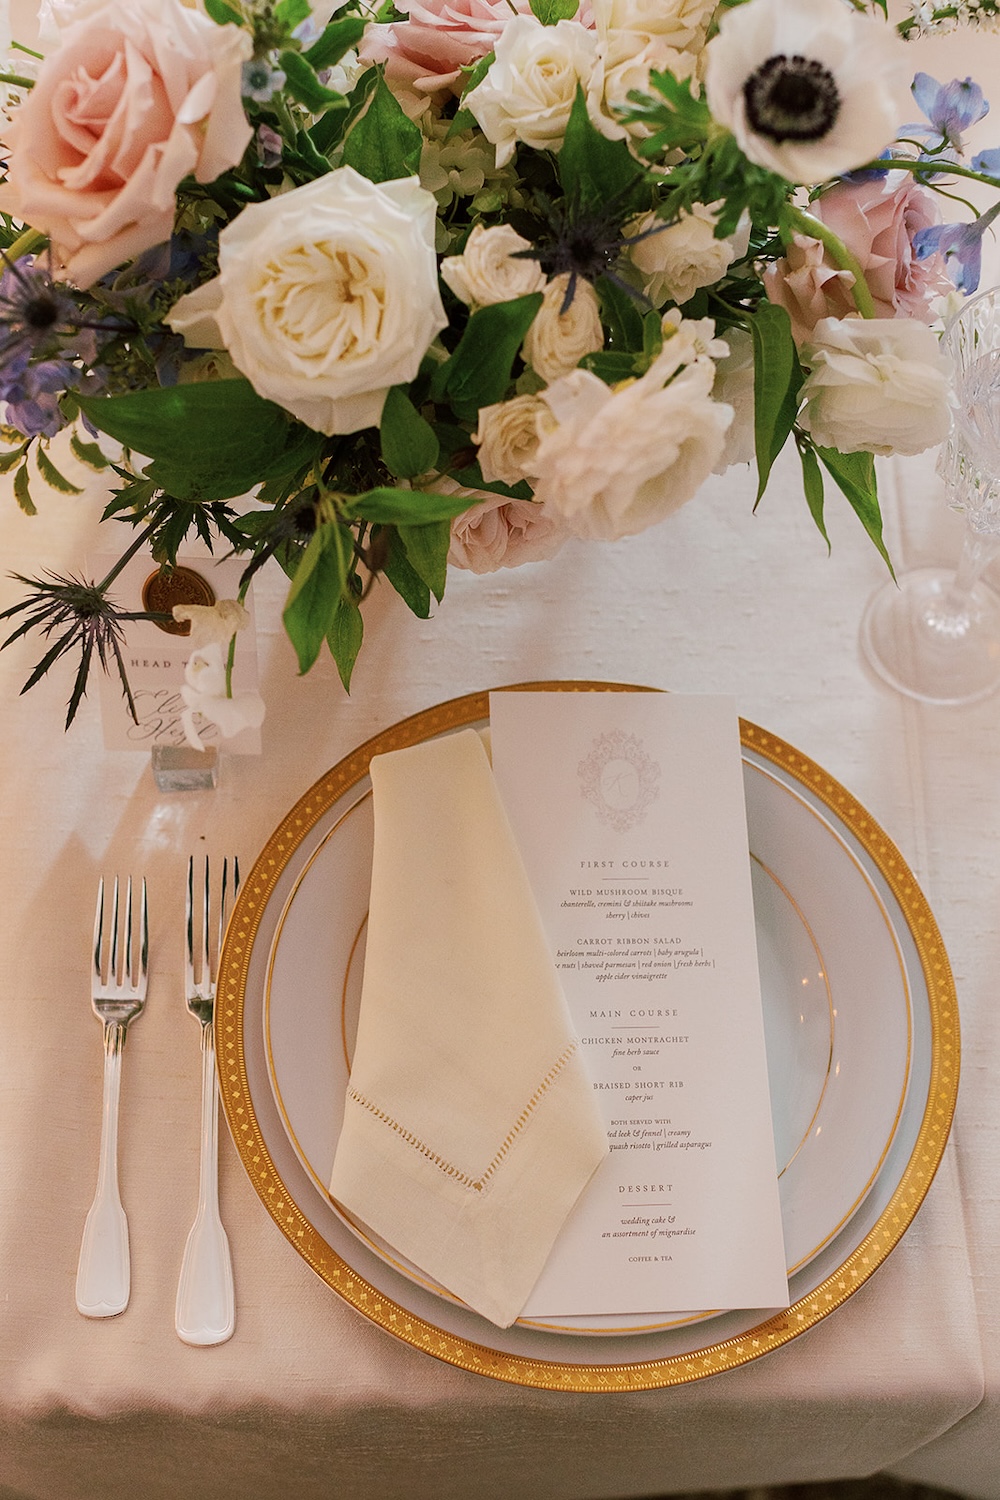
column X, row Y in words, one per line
column 661, row 1352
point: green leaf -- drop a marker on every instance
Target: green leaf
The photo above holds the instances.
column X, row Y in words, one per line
column 223, row 14
column 339, row 37
column 292, row 13
column 471, row 478
column 609, row 366
column 409, row 446
column 329, row 129
column 317, row 586
column 52, row 476
column 427, row 550
column 777, row 378
column 392, row 507
column 551, row 11
column 207, row 441
column 383, row 143
column 302, row 83
column 464, row 119
column 405, row 579
column 345, row 636
column 9, row 461
column 621, row 316
column 478, row 372
column 89, row 454
column 21, row 492
column 594, row 171
column 854, row 473
column 812, row 484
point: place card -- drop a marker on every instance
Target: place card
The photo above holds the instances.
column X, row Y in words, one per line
column 155, row 655
column 629, row 812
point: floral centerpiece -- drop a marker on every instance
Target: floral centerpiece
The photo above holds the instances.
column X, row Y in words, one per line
column 446, row 282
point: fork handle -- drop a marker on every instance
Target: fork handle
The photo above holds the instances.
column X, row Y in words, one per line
column 206, row 1309
column 102, row 1278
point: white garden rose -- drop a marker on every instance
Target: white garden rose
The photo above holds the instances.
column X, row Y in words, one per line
column 734, row 384
column 486, row 271
column 612, row 83
column 875, row 385
column 619, row 460
column 508, row 435
column 528, row 93
column 326, row 297
column 627, row 26
column 559, row 338
column 675, row 259
column 809, row 90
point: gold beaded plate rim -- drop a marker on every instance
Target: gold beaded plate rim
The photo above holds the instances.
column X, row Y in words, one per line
column 726, row 1353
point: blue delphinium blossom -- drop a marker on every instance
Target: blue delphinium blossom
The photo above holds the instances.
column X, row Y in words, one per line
column 950, row 107
column 32, row 393
column 987, row 162
column 260, row 81
column 961, row 245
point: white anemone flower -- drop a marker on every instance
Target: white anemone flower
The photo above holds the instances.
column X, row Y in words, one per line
column 810, row 90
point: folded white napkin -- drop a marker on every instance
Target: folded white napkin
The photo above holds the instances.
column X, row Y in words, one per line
column 470, row 1126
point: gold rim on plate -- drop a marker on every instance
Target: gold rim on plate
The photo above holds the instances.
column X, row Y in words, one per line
column 676, row 1369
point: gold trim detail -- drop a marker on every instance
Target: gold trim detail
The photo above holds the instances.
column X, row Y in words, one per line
column 477, row 1184
column 552, row 1375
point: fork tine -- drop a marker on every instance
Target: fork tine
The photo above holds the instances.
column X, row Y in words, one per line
column 189, row 927
column 206, row 953
column 113, row 972
column 98, row 931
column 128, row 948
column 143, row 937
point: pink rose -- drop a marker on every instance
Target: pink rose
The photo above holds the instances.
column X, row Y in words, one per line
column 441, row 37
column 140, row 94
column 502, row 533
column 877, row 221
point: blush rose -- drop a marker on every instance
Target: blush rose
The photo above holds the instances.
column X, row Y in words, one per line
column 877, row 221
column 139, row 94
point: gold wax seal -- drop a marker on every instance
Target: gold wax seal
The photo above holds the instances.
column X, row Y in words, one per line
column 163, row 589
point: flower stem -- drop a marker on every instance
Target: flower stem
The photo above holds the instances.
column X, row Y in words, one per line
column 17, row 80
column 838, row 252
column 27, row 241
column 126, row 556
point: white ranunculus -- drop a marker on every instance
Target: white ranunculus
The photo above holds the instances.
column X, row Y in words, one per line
column 875, row 385
column 326, row 297
column 557, row 340
column 675, row 259
column 809, row 90
column 528, row 93
column 486, row 271
column 508, row 435
column 617, row 461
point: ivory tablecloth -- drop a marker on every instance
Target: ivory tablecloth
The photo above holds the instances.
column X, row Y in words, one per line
column 309, row 1399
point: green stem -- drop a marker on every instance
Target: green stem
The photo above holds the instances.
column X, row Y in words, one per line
column 797, row 218
column 17, row 80
column 30, row 51
column 27, row 241
column 230, row 659
column 126, row 556
column 923, row 168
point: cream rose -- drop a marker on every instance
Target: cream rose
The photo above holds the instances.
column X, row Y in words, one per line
column 486, row 271
column 508, row 435
column 617, row 461
column 676, row 259
column 734, row 384
column 875, row 385
column 326, row 297
column 558, row 339
column 528, row 93
column 140, row 94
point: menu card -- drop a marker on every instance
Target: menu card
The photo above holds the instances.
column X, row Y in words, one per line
column 628, row 809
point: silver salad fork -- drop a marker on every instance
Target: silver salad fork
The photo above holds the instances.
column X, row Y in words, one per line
column 206, row 1310
column 118, row 994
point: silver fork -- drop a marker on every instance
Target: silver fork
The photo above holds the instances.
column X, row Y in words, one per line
column 206, row 1311
column 118, row 994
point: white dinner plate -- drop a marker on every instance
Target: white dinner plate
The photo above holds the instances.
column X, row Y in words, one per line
column 861, row 1032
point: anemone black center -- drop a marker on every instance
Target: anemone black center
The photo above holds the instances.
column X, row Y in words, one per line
column 40, row 312
column 791, row 99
